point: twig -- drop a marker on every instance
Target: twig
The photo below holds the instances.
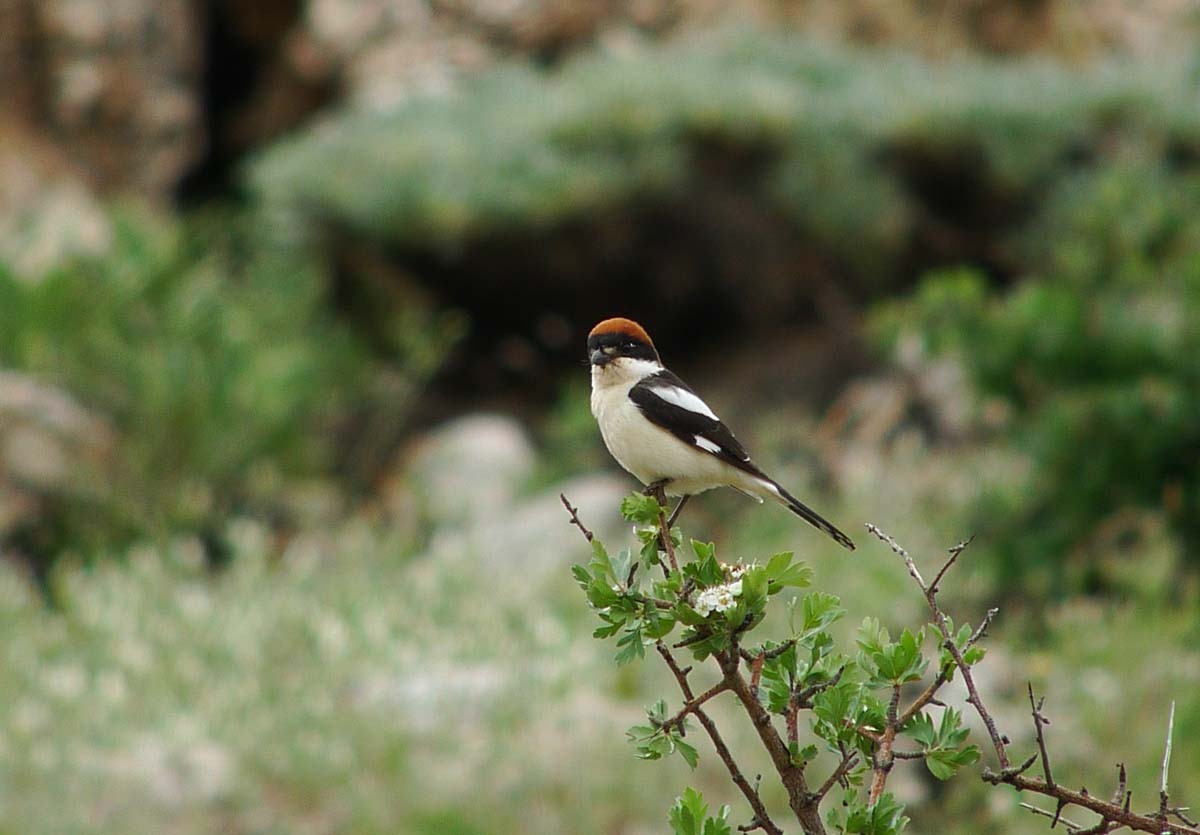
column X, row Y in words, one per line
column 739, row 779
column 1114, row 814
column 983, row 627
column 659, row 493
column 884, row 758
column 694, row 704
column 574, row 511
column 1120, row 793
column 1178, row 812
column 999, row 742
column 1038, row 722
column 927, row 696
column 1055, row 817
column 954, row 552
column 802, row 801
column 1163, row 800
column 908, row 561
column 849, row 758
column 804, row 697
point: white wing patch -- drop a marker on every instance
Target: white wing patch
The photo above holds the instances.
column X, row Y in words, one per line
column 684, row 400
column 706, row 444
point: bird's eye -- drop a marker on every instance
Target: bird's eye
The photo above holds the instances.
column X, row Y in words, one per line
column 629, row 345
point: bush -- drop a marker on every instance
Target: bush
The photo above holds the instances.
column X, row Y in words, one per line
column 1094, row 358
column 215, row 358
column 858, row 149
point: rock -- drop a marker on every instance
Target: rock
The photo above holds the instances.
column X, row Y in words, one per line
column 46, row 212
column 472, row 468
column 536, row 537
column 49, row 446
column 468, row 477
column 115, row 86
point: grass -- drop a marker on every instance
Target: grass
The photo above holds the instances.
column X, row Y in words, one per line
column 358, row 685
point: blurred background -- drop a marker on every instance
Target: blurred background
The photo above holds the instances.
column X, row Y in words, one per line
column 293, row 298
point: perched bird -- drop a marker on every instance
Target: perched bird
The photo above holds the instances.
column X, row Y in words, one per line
column 664, row 434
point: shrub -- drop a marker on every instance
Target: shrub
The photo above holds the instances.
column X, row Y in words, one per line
column 215, row 358
column 1094, row 357
column 858, row 149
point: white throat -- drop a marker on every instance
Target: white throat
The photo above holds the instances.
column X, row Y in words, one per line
column 623, row 371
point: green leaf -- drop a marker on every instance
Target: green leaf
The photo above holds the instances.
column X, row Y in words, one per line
column 641, row 509
column 974, row 655
column 689, row 816
column 688, row 752
column 872, row 636
column 630, row 646
column 718, row 825
column 886, row 817
column 688, row 813
column 797, row 575
column 941, row 743
column 601, row 595
column 600, row 565
column 656, row 624
column 779, row 563
column 922, row 730
column 945, row 763
column 611, row 627
column 705, row 570
column 753, row 599
column 901, row 661
column 582, row 576
column 819, row 610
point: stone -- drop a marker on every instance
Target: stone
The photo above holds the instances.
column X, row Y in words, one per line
column 472, row 468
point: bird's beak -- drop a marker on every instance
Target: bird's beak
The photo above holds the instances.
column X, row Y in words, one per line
column 600, row 358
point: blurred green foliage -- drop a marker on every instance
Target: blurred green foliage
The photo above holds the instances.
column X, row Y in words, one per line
column 217, row 360
column 849, row 144
column 1096, row 357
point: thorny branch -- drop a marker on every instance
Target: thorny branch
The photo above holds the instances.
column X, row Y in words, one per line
column 761, row 817
column 1113, row 814
column 658, row 491
column 574, row 511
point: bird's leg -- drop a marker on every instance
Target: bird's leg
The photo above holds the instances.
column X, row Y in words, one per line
column 658, row 490
column 675, row 513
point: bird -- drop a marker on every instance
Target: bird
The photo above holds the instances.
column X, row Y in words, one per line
column 663, row 434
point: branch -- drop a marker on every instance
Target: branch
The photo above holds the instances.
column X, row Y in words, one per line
column 1163, row 799
column 847, row 763
column 761, row 817
column 659, row 491
column 803, row 802
column 927, row 695
column 693, row 705
column 1038, row 722
column 1115, row 813
column 574, row 511
column 999, row 742
column 884, row 759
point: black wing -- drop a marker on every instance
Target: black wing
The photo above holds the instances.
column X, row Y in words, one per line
column 666, row 401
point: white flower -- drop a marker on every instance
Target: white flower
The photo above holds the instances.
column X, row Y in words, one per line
column 718, row 598
column 737, row 570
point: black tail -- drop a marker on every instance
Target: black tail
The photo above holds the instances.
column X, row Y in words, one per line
column 812, row 517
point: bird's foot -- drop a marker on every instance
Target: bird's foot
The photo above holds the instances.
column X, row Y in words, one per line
column 656, row 488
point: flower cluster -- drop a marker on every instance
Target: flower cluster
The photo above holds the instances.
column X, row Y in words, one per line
column 717, row 598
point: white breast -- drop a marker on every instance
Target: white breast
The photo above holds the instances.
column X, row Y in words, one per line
column 647, row 451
